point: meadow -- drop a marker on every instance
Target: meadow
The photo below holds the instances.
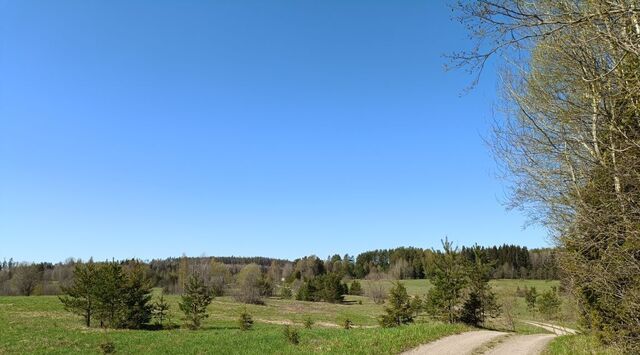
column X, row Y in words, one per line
column 39, row 324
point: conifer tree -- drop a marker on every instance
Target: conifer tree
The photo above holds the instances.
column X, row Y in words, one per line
column 481, row 301
column 195, row 300
column 449, row 280
column 80, row 297
column 400, row 309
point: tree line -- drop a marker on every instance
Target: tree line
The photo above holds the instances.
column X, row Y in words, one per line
column 171, row 274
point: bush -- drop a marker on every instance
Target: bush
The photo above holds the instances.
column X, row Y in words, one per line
column 549, row 303
column 251, row 285
column 286, row 292
column 400, row 309
column 292, row 335
column 308, row 322
column 356, row 288
column 195, row 300
column 328, row 288
column 530, row 296
column 347, row 324
column 245, row 321
column 108, row 347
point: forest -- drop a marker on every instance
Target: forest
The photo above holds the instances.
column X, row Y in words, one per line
column 505, row 262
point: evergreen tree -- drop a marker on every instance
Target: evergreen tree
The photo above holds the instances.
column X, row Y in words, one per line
column 80, row 297
column 356, row 288
column 481, row 301
column 108, row 293
column 332, row 289
column 136, row 298
column 549, row 303
column 400, row 309
column 195, row 300
column 160, row 310
column 449, row 280
column 245, row 321
column 530, row 296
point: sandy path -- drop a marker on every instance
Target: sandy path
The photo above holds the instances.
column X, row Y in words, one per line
column 532, row 344
column 461, row 344
column 555, row 329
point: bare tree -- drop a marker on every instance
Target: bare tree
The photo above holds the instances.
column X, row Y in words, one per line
column 569, row 143
column 27, row 278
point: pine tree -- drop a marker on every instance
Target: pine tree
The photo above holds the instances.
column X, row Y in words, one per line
column 80, row 297
column 400, row 309
column 136, row 298
column 481, row 301
column 549, row 303
column 195, row 300
column 449, row 280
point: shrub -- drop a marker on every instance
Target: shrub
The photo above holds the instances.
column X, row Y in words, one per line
column 549, row 303
column 376, row 289
column 285, row 292
column 530, row 296
column 328, row 288
column 292, row 335
column 197, row 296
column 108, row 347
column 308, row 322
column 251, row 286
column 356, row 288
column 245, row 321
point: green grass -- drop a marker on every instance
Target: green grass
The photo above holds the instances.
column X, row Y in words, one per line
column 40, row 325
column 578, row 344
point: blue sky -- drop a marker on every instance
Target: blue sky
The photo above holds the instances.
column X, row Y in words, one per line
column 277, row 128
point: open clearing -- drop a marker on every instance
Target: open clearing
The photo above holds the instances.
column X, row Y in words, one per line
column 39, row 324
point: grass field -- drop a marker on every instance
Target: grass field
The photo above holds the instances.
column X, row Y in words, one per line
column 39, row 324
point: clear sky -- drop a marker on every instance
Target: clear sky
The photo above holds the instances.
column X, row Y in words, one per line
column 275, row 128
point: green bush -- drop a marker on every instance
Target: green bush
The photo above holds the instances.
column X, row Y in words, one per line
column 108, row 347
column 292, row 335
column 308, row 322
column 356, row 288
column 245, row 321
column 549, row 303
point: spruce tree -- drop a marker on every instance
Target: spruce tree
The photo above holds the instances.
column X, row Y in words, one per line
column 160, row 310
column 195, row 300
column 136, row 298
column 449, row 280
column 400, row 309
column 356, row 288
column 481, row 301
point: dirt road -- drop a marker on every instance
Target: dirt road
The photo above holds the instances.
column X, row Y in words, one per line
column 464, row 343
column 531, row 344
column 493, row 342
